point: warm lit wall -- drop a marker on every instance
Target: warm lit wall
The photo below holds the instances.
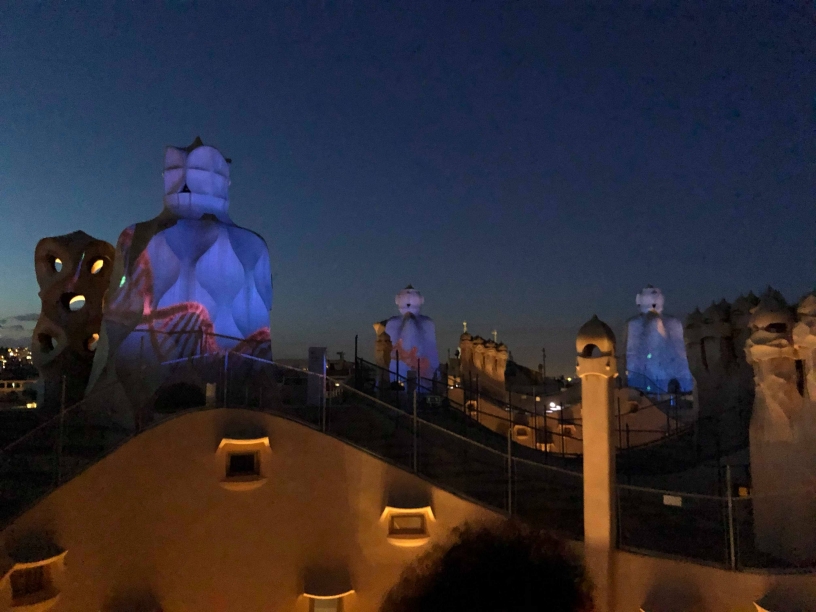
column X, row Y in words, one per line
column 152, row 518
column 663, row 584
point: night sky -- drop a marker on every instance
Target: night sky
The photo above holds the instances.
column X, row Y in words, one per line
column 524, row 164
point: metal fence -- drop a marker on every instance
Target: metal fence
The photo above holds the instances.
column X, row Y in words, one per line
column 446, row 447
column 713, row 529
column 483, row 469
column 553, row 435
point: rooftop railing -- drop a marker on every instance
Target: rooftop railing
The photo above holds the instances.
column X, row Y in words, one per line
column 453, row 453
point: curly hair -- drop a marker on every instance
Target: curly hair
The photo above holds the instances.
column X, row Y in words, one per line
column 504, row 567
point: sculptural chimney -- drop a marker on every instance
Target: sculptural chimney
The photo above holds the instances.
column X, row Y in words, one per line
column 782, row 431
column 597, row 368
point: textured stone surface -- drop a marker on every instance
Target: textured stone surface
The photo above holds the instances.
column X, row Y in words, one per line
column 72, row 267
column 783, row 429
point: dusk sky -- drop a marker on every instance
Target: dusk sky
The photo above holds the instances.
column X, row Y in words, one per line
column 523, row 164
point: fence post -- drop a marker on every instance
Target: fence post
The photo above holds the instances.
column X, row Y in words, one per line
column 535, row 418
column 478, row 396
column 546, row 437
column 323, row 399
column 510, row 470
column 561, row 423
column 226, row 376
column 510, row 409
column 731, row 548
column 142, row 407
column 61, row 427
column 397, row 381
column 415, row 462
column 356, row 365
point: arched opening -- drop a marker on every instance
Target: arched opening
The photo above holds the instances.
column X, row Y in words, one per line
column 591, row 350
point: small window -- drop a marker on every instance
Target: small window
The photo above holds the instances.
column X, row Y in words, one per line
column 334, row 604
column 29, row 581
column 407, row 525
column 243, row 464
column 521, row 432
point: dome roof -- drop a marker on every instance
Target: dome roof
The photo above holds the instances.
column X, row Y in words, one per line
column 595, row 333
column 807, row 305
column 717, row 312
column 695, row 319
column 743, row 304
column 772, row 313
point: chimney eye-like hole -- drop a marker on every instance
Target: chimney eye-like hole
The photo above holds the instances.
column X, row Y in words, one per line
column 47, row 343
column 73, row 301
column 776, row 328
column 96, row 265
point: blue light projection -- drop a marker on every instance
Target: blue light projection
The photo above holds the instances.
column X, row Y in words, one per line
column 190, row 281
column 655, row 351
column 413, row 337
